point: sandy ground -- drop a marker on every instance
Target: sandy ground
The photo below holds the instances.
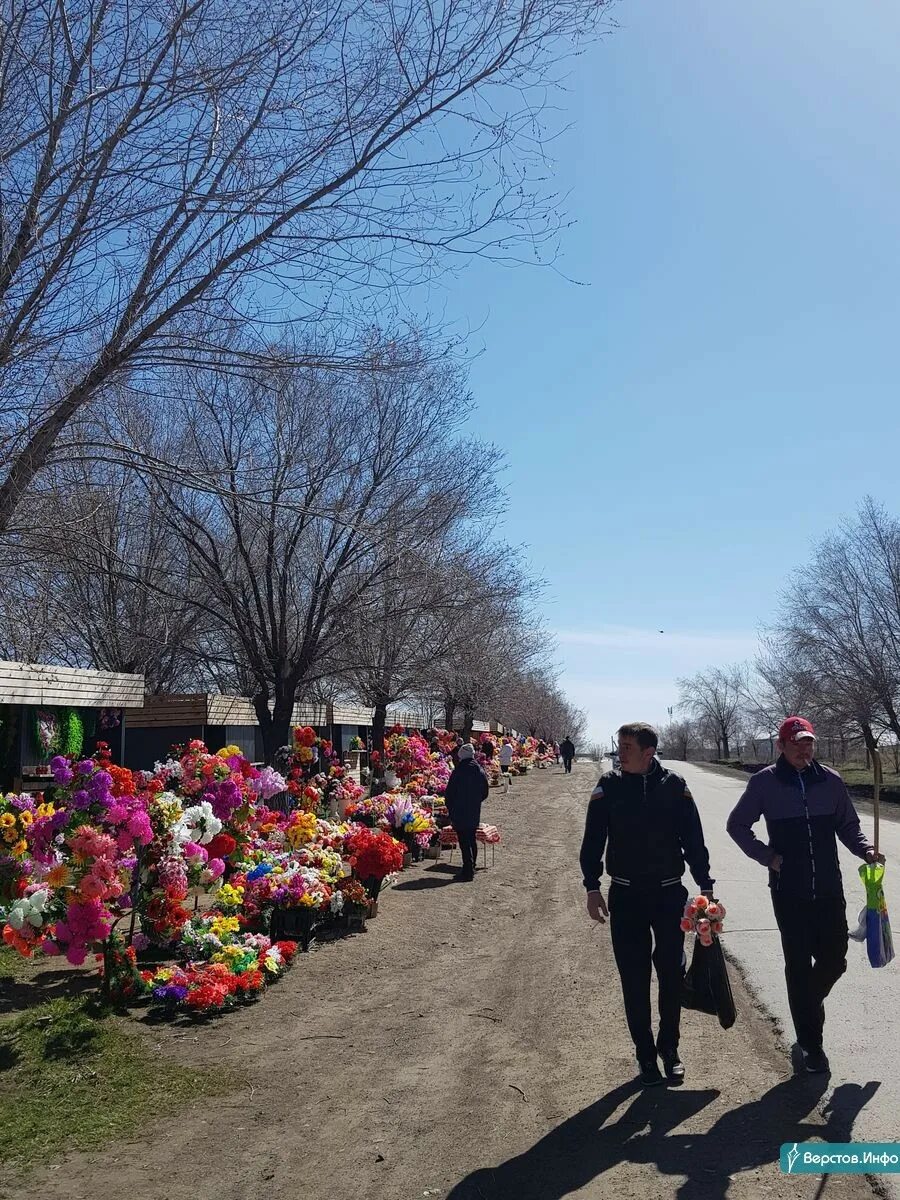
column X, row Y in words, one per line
column 471, row 1046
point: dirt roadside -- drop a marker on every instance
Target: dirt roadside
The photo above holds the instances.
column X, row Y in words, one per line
column 471, row 1045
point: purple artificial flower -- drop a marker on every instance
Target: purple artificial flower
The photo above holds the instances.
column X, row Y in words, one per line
column 170, row 991
column 62, row 771
column 225, row 799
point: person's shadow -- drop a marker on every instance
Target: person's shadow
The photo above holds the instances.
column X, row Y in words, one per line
column 438, row 875
column 749, row 1136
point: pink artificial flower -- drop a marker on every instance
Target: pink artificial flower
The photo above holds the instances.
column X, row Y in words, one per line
column 215, row 868
column 140, row 828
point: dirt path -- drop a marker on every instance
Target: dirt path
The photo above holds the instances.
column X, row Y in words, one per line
column 471, row 1045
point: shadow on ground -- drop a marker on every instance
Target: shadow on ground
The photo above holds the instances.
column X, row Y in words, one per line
column 18, row 995
column 423, row 883
column 586, row 1147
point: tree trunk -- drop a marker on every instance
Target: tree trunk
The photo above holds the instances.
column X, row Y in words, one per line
column 726, row 751
column 869, row 739
column 275, row 726
column 449, row 714
column 379, row 724
column 468, row 722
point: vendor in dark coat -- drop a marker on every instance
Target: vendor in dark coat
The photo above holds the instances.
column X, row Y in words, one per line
column 466, row 792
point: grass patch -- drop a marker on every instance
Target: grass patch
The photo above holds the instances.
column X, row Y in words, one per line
column 14, row 967
column 854, row 775
column 70, row 1079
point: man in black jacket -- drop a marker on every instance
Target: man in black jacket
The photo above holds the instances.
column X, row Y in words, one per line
column 646, row 821
column 466, row 792
column 567, row 750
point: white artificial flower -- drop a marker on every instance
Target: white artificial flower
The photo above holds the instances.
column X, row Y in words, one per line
column 29, row 910
column 197, row 824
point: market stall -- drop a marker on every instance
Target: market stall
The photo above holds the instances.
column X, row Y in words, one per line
column 217, row 720
column 47, row 710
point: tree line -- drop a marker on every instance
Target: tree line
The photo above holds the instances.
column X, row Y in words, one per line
column 832, row 654
column 226, row 461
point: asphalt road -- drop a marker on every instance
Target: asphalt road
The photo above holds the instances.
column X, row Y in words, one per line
column 862, row 1023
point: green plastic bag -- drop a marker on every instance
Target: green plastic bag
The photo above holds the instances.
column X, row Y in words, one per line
column 879, row 940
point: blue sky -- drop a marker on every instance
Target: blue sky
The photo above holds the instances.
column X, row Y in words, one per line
column 722, row 389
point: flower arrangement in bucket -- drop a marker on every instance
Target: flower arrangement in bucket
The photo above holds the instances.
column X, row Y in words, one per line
column 703, row 917
column 374, row 855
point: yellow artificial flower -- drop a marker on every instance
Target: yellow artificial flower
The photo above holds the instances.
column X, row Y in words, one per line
column 302, row 829
column 19, row 849
column 224, row 927
column 230, row 896
column 44, row 810
column 10, row 835
column 26, row 817
column 7, row 820
column 229, row 752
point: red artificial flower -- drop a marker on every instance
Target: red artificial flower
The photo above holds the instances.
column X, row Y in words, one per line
column 221, row 846
column 123, row 780
column 377, row 854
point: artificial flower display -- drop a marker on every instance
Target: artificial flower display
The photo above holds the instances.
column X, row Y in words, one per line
column 419, row 770
column 375, row 855
column 82, row 855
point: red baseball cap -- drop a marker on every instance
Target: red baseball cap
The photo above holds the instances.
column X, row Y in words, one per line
column 795, row 729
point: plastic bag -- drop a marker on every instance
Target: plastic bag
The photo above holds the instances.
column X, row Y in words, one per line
column 706, row 987
column 859, row 934
column 879, row 941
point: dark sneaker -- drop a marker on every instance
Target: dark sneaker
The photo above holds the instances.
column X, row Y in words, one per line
column 650, row 1074
column 816, row 1062
column 673, row 1067
column 465, row 877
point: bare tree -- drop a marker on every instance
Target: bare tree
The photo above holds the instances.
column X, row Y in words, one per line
column 716, row 696
column 538, row 706
column 331, row 481
column 840, row 624
column 677, row 739
column 403, row 621
column 113, row 579
column 171, row 174
column 490, row 640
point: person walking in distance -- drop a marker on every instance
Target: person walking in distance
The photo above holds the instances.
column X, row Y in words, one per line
column 805, row 806
column 644, row 819
column 567, row 750
column 467, row 790
column 507, row 753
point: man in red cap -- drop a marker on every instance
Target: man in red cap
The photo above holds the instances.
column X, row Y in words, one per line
column 804, row 805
